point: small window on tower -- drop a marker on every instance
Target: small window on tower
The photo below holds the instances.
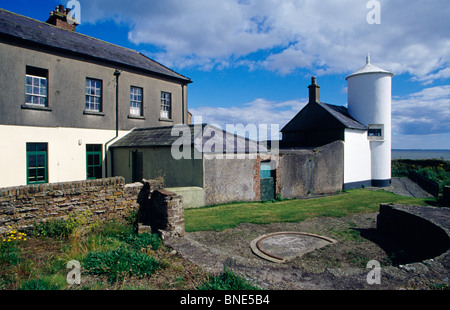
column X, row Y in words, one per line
column 375, row 132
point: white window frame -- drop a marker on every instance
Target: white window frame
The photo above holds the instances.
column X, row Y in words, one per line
column 36, row 92
column 136, row 101
column 166, row 105
column 93, row 95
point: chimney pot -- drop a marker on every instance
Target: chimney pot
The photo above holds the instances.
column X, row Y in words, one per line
column 59, row 18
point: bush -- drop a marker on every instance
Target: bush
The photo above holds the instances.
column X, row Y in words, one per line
column 52, row 229
column 63, row 228
column 433, row 169
column 118, row 263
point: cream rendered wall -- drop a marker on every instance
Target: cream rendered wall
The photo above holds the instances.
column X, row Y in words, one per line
column 66, row 157
column 357, row 156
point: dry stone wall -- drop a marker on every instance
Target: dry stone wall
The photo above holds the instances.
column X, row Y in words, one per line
column 110, row 198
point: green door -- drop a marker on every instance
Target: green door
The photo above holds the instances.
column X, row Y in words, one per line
column 94, row 160
column 267, row 184
column 36, row 163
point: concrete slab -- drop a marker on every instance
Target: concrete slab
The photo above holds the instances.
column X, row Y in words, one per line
column 193, row 197
column 284, row 246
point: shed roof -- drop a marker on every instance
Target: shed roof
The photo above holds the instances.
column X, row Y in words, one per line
column 35, row 32
column 319, row 115
column 205, row 138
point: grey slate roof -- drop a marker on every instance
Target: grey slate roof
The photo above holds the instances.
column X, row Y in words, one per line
column 204, row 137
column 36, row 32
column 341, row 114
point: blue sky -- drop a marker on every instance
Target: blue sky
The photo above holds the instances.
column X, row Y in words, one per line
column 252, row 60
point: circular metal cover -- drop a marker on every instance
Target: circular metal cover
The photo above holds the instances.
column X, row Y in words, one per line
column 283, row 246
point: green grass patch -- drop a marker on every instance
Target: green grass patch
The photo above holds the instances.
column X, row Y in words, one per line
column 221, row 217
column 120, row 263
column 227, row 280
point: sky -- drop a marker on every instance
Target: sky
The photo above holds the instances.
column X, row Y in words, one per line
column 252, row 60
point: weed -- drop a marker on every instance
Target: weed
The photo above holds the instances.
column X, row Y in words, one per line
column 45, row 283
column 118, row 263
column 227, row 280
column 141, row 241
column 9, row 246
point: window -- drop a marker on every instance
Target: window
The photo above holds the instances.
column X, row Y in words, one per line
column 166, row 105
column 36, row 89
column 93, row 95
column 136, row 101
column 36, row 163
column 375, row 132
column 94, row 161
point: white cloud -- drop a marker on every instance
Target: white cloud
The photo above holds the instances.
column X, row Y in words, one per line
column 324, row 36
column 422, row 113
column 259, row 111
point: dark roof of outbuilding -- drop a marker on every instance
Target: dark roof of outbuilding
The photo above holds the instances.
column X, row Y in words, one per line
column 16, row 26
column 206, row 139
column 339, row 114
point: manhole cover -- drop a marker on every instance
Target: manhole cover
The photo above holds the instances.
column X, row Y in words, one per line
column 283, row 246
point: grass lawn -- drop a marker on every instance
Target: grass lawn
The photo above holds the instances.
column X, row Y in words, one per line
column 221, row 217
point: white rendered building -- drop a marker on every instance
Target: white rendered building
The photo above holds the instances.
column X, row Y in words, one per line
column 66, row 97
column 365, row 127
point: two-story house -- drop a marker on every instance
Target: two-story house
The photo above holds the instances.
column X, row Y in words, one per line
column 66, row 97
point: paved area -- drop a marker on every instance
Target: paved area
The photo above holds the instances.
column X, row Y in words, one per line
column 406, row 187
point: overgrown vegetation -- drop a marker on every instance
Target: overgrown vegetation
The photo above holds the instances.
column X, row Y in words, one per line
column 112, row 256
column 434, row 169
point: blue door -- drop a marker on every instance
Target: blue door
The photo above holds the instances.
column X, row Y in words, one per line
column 267, row 184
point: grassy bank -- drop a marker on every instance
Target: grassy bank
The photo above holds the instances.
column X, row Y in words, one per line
column 230, row 215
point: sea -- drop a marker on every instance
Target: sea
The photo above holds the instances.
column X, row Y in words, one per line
column 420, row 154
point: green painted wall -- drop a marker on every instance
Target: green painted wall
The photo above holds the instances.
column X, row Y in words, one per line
column 158, row 162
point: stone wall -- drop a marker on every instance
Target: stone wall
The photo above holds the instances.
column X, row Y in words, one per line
column 419, row 232
column 162, row 212
column 311, row 171
column 111, row 198
column 230, row 179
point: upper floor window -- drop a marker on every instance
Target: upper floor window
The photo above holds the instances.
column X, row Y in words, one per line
column 136, row 101
column 166, row 105
column 36, row 82
column 93, row 95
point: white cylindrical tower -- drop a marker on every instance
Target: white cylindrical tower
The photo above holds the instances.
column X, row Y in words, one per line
column 369, row 102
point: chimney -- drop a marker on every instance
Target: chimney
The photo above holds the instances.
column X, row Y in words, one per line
column 60, row 18
column 314, row 91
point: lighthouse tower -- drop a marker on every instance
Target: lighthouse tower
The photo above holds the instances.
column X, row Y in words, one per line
column 369, row 102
